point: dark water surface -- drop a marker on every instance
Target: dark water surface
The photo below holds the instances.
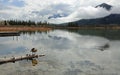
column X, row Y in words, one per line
column 68, row 52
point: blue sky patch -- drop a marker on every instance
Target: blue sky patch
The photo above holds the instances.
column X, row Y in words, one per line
column 13, row 3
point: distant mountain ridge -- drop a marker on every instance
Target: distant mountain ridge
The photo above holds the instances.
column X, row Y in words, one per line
column 110, row 19
column 106, row 6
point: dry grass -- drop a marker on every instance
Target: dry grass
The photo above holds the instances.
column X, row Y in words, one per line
column 34, row 28
column 23, row 28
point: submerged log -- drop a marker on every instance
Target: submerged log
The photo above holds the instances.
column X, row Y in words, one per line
column 3, row 34
column 29, row 57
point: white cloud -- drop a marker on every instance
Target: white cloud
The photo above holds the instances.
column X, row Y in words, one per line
column 115, row 10
column 83, row 13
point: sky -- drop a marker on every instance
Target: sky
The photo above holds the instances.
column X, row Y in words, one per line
column 40, row 10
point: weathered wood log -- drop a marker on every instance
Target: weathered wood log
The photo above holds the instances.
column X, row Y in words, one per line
column 29, row 57
column 2, row 34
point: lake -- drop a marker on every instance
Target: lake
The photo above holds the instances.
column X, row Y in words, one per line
column 67, row 52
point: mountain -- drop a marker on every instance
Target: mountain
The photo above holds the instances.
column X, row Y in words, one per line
column 57, row 16
column 110, row 19
column 104, row 5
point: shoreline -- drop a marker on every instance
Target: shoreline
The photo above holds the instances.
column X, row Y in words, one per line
column 94, row 28
column 23, row 28
column 38, row 28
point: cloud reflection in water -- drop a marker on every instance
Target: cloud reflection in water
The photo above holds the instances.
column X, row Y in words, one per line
column 66, row 54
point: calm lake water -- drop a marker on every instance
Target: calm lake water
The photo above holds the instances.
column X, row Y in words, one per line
column 67, row 52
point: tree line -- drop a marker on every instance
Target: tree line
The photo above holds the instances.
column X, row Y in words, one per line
column 33, row 23
column 25, row 23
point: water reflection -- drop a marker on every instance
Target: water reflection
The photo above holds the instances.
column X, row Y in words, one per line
column 109, row 34
column 67, row 53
